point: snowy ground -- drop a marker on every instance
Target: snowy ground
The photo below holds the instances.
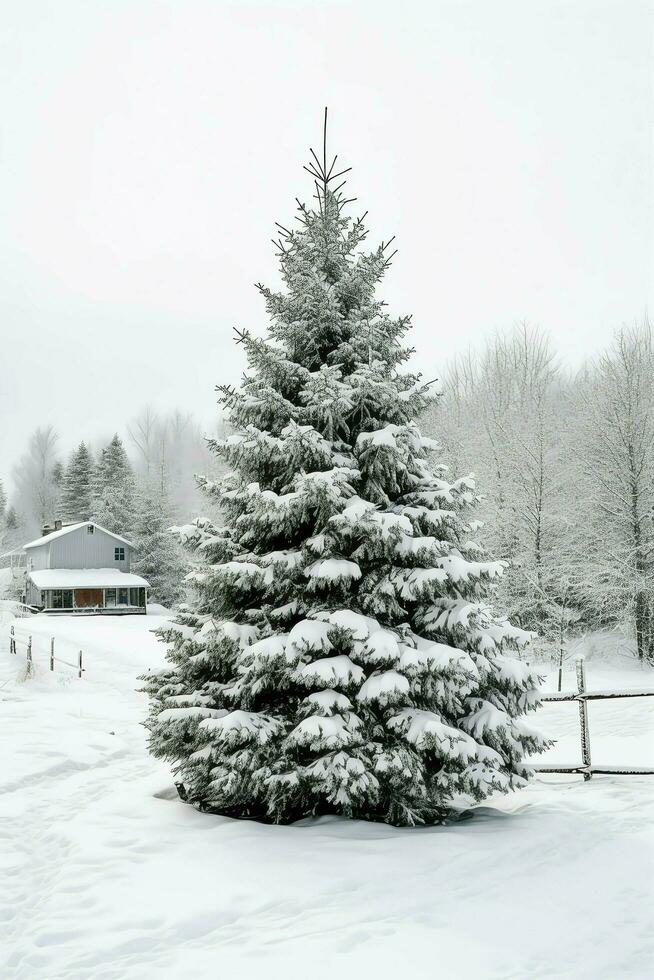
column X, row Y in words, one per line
column 105, row 874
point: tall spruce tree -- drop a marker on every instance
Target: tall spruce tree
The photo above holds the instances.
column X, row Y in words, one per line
column 114, row 496
column 340, row 654
column 76, row 486
column 158, row 556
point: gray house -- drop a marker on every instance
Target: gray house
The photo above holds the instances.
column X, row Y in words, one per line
column 82, row 568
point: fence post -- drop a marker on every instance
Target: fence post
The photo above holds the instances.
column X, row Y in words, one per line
column 560, row 666
column 79, row 672
column 29, row 656
column 12, row 641
column 583, row 717
column 52, row 653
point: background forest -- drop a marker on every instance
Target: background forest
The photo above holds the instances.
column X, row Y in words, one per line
column 564, row 463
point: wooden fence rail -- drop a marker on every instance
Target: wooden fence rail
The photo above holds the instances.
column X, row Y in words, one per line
column 13, row 639
column 597, row 695
column 582, row 697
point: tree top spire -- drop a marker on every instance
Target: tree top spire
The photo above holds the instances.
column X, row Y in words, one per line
column 318, row 168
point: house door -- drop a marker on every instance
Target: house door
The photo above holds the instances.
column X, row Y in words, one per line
column 88, row 597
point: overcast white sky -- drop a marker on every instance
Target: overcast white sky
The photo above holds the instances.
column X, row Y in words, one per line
column 148, row 147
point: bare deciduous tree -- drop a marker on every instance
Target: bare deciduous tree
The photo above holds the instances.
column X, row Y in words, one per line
column 35, row 478
column 618, row 463
column 170, row 450
column 502, row 411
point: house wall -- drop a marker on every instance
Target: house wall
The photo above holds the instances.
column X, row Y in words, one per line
column 32, row 594
column 79, row 549
column 37, row 558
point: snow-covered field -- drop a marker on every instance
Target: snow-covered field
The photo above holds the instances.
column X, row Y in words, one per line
column 105, row 874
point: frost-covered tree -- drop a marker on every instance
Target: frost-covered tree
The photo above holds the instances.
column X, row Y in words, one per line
column 158, row 556
column 34, row 479
column 14, row 532
column 114, row 492
column 505, row 412
column 76, row 501
column 144, row 432
column 58, row 475
column 3, row 516
column 616, row 455
column 170, row 450
column 113, row 464
column 340, row 653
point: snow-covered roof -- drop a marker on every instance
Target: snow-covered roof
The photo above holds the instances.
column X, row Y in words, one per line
column 85, row 578
column 67, row 529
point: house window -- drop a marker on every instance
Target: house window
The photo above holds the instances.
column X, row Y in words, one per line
column 110, row 597
column 119, row 554
column 123, row 597
column 61, row 599
column 90, row 529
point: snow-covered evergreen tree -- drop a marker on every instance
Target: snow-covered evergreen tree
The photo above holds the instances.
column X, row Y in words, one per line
column 340, row 654
column 157, row 554
column 14, row 532
column 58, row 475
column 114, row 497
column 12, row 537
column 75, row 503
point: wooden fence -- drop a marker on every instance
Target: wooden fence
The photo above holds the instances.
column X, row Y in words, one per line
column 25, row 643
column 582, row 697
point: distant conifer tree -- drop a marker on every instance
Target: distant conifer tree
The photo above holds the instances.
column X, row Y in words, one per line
column 14, row 531
column 114, row 489
column 157, row 555
column 76, row 486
